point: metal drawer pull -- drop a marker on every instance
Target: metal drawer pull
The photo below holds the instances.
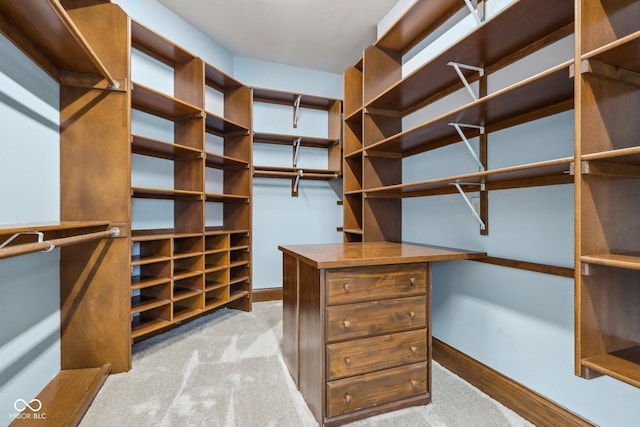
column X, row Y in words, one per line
column 413, row 349
column 412, row 281
column 347, row 361
column 346, row 323
column 346, row 287
column 412, row 314
column 413, row 383
column 347, row 397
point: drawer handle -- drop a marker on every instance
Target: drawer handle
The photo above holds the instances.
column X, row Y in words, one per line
column 412, row 315
column 413, row 383
column 347, row 397
column 347, row 287
column 346, row 323
column 413, row 349
column 412, row 281
column 347, row 361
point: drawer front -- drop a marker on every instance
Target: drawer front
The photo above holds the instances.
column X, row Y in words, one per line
column 375, row 318
column 350, row 358
column 366, row 391
column 357, row 284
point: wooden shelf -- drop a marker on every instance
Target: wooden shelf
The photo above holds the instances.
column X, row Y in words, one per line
column 184, row 293
column 153, row 102
column 219, row 161
column 287, row 98
column 236, row 280
column 163, row 150
column 422, row 18
column 627, row 261
column 622, row 53
column 232, row 198
column 140, row 260
column 281, row 139
column 629, row 156
column 353, row 231
column 219, row 125
column 513, row 105
column 141, row 282
column 142, row 303
column 623, row 365
column 51, row 229
column 46, row 32
column 179, row 274
column 525, row 22
column 66, row 398
column 290, row 172
column 160, row 193
column 220, row 80
column 157, row 46
column 183, row 313
column 147, row 326
column 215, row 285
column 534, row 174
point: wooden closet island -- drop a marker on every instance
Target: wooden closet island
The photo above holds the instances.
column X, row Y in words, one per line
column 357, row 325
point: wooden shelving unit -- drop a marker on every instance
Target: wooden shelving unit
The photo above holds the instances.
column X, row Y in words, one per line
column 607, row 82
column 378, row 97
column 332, row 143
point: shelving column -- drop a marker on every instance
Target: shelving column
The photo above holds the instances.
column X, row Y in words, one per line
column 607, row 188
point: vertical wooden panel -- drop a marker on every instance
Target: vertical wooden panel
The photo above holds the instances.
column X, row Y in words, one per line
column 290, row 327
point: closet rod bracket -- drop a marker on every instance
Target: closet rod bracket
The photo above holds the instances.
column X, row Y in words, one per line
column 458, row 127
column 474, row 12
column 458, row 67
column 296, row 150
column 476, row 215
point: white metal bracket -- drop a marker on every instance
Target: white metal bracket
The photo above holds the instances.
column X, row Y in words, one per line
column 35, row 233
column 458, row 127
column 296, row 183
column 473, row 11
column 296, row 110
column 296, row 150
column 457, row 66
column 476, row 215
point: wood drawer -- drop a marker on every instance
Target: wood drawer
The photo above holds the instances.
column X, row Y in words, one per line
column 357, row 284
column 350, row 358
column 375, row 318
column 370, row 390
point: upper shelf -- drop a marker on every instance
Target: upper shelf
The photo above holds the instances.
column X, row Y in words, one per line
column 157, row 46
column 219, row 125
column 423, row 17
column 524, row 21
column 305, row 141
column 287, row 98
column 529, row 175
column 516, row 103
column 218, row 79
column 153, row 102
column 163, row 150
column 46, row 32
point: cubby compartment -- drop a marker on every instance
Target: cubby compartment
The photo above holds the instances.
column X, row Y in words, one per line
column 216, row 279
column 216, row 261
column 188, row 287
column 145, row 322
column 216, row 297
column 151, row 274
column 187, row 246
column 188, row 307
column 607, row 21
column 240, row 239
column 216, row 242
column 187, row 267
column 147, row 250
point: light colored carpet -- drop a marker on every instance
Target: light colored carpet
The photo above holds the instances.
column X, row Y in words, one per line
column 226, row 370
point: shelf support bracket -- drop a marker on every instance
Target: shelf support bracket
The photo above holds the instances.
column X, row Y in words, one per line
column 474, row 12
column 40, row 238
column 458, row 67
column 476, row 215
column 458, row 127
column 296, row 150
column 295, row 183
column 296, row 110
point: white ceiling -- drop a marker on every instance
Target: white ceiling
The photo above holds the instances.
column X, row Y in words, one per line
column 327, row 35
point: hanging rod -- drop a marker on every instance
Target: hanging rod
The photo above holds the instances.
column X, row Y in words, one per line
column 49, row 245
column 77, row 35
column 457, row 66
column 468, row 202
column 296, row 109
column 458, row 127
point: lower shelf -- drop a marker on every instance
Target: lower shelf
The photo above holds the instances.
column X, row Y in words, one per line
column 65, row 399
column 623, row 365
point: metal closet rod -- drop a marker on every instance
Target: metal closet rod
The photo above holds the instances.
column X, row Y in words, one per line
column 48, row 245
column 75, row 32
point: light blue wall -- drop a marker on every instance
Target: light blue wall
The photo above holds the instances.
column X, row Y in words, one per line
column 278, row 218
column 30, row 176
column 517, row 322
